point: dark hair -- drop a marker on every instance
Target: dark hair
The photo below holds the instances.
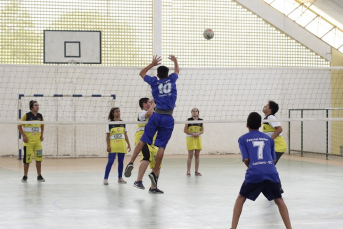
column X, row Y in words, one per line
column 143, row 100
column 197, row 110
column 254, row 120
column 110, row 115
column 162, row 72
column 31, row 103
column 273, row 106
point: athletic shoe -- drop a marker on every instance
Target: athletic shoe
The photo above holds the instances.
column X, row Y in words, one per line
column 40, row 178
column 153, row 179
column 197, row 173
column 128, row 170
column 105, row 181
column 188, row 173
column 155, row 191
column 24, row 180
column 122, row 181
column 138, row 184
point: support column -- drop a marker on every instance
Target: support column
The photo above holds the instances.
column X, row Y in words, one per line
column 336, row 102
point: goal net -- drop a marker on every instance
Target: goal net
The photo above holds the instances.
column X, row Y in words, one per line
column 224, row 97
column 63, row 137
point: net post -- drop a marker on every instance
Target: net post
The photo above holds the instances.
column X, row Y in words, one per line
column 302, row 137
column 289, row 132
column 19, row 116
column 327, row 135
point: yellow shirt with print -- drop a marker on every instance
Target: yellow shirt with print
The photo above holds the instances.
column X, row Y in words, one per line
column 117, row 138
column 32, row 131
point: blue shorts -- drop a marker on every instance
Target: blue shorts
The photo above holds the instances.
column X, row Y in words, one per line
column 163, row 124
column 269, row 189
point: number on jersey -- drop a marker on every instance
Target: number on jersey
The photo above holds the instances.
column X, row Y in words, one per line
column 260, row 145
column 165, row 88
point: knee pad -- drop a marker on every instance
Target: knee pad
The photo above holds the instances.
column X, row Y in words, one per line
column 146, row 153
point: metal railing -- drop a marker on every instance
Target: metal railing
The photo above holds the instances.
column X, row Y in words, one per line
column 302, row 151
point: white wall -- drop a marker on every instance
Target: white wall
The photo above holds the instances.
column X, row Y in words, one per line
column 219, row 94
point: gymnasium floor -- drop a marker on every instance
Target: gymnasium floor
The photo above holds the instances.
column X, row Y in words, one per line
column 73, row 195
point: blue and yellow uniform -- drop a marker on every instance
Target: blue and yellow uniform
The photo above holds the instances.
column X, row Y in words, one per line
column 117, row 137
column 33, row 132
column 269, row 129
column 164, row 92
column 192, row 142
column 117, row 134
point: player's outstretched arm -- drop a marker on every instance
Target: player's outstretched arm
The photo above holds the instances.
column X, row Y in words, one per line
column 155, row 61
column 176, row 65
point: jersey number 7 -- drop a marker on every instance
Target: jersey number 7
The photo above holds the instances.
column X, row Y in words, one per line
column 260, row 145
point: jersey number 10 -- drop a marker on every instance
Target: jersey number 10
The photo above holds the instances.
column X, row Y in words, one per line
column 164, row 88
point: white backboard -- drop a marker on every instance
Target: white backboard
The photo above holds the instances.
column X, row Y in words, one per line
column 64, row 46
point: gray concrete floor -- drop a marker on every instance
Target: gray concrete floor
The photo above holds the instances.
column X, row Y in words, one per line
column 73, row 195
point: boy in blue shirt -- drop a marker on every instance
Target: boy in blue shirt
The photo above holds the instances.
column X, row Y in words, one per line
column 164, row 92
column 259, row 156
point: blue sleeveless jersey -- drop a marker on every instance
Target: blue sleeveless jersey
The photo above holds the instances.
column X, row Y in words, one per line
column 163, row 91
column 259, row 148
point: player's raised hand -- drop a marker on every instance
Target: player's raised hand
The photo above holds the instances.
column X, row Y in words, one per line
column 172, row 58
column 156, row 60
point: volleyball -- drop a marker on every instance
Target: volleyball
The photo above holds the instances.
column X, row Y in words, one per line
column 208, row 34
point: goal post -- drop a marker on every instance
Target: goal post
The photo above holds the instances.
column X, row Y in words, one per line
column 66, row 139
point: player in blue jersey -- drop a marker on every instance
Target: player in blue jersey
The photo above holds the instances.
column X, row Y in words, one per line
column 164, row 92
column 259, row 156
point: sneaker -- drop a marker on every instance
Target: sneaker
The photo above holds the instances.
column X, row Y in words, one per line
column 188, row 173
column 40, row 178
column 121, row 181
column 155, row 191
column 153, row 179
column 197, row 173
column 128, row 170
column 105, row 181
column 24, row 180
column 138, row 184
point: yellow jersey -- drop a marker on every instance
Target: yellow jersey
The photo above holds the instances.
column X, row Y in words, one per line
column 117, row 137
column 32, row 131
column 192, row 142
column 140, row 127
column 269, row 129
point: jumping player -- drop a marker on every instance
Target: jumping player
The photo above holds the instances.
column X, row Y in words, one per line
column 148, row 151
column 161, row 121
